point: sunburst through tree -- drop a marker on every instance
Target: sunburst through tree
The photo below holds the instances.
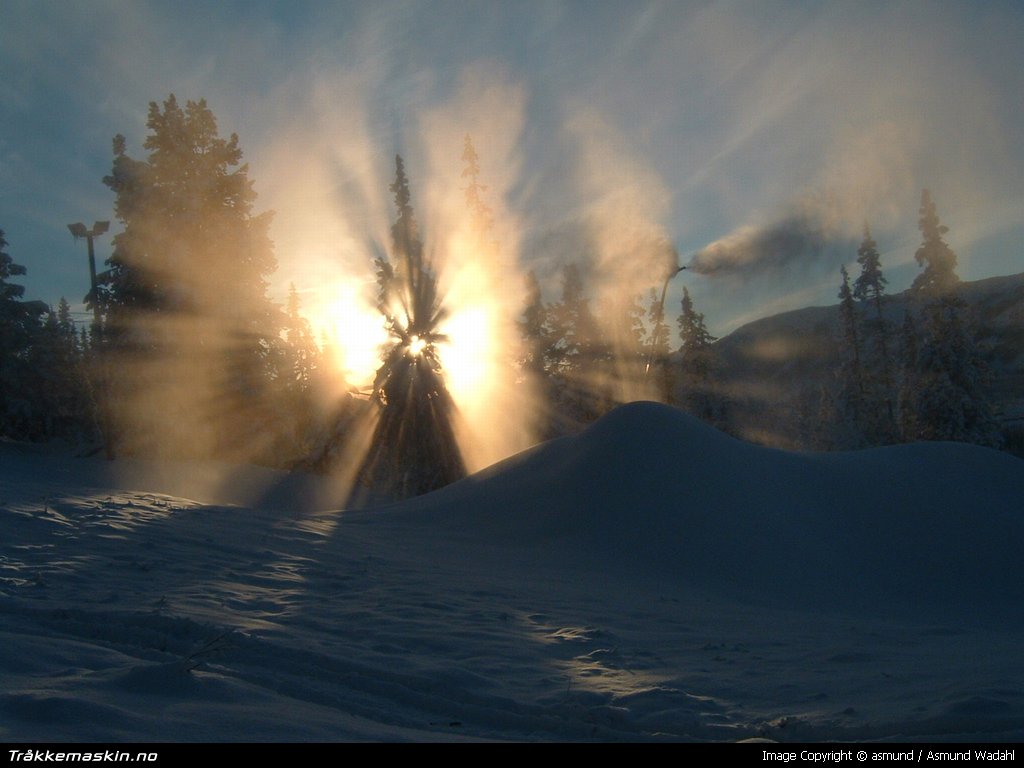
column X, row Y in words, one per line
column 413, row 449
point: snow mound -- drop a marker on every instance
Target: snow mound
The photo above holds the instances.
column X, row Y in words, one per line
column 650, row 579
column 650, row 488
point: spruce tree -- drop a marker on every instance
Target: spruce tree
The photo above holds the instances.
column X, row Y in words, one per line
column 57, row 393
column 576, row 360
column 951, row 399
column 851, row 371
column 41, row 392
column 696, row 361
column 938, row 277
column 413, row 448
column 14, row 340
column 535, row 345
column 576, row 336
column 67, row 325
column 534, row 329
column 29, row 360
column 303, row 358
column 189, row 321
column 298, row 368
column 869, row 288
column 9, row 291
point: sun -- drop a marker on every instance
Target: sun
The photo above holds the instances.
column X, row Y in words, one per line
column 416, row 346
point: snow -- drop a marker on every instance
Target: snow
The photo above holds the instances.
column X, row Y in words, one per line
column 649, row 579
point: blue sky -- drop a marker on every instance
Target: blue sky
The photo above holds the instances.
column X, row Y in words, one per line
column 699, row 120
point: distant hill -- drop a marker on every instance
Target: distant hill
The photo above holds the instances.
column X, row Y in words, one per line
column 775, row 371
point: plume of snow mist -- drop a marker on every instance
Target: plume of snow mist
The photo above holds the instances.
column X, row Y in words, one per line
column 626, row 249
column 327, row 177
column 797, row 239
column 868, row 177
column 473, row 238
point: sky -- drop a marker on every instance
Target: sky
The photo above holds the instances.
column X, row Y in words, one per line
column 600, row 126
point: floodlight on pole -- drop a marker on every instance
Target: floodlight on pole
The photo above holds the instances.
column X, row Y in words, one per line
column 105, row 421
column 78, row 230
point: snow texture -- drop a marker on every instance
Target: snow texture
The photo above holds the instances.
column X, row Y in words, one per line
column 650, row 579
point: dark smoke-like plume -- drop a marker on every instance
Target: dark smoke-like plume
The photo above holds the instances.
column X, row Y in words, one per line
column 797, row 240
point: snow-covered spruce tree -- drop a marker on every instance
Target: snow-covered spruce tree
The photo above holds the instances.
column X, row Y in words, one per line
column 951, row 400
column 695, row 364
column 851, row 400
column 413, row 449
column 938, row 277
column 879, row 420
column 190, row 326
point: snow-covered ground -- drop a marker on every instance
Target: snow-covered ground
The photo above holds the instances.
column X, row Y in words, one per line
column 651, row 579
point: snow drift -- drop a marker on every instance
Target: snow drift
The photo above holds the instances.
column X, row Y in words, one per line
column 650, row 579
column 648, row 488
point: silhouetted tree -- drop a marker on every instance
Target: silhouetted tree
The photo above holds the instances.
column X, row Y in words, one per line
column 880, row 418
column 185, row 297
column 58, row 391
column 39, row 394
column 851, row 371
column 909, row 379
column 9, row 292
column 695, row 363
column 18, row 321
column 413, row 449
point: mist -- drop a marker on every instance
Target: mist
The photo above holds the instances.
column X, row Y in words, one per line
column 751, row 145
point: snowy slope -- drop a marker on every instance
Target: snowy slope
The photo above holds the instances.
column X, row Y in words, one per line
column 653, row 489
column 648, row 579
column 773, row 369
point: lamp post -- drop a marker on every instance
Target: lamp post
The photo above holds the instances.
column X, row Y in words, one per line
column 104, row 418
column 78, row 230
